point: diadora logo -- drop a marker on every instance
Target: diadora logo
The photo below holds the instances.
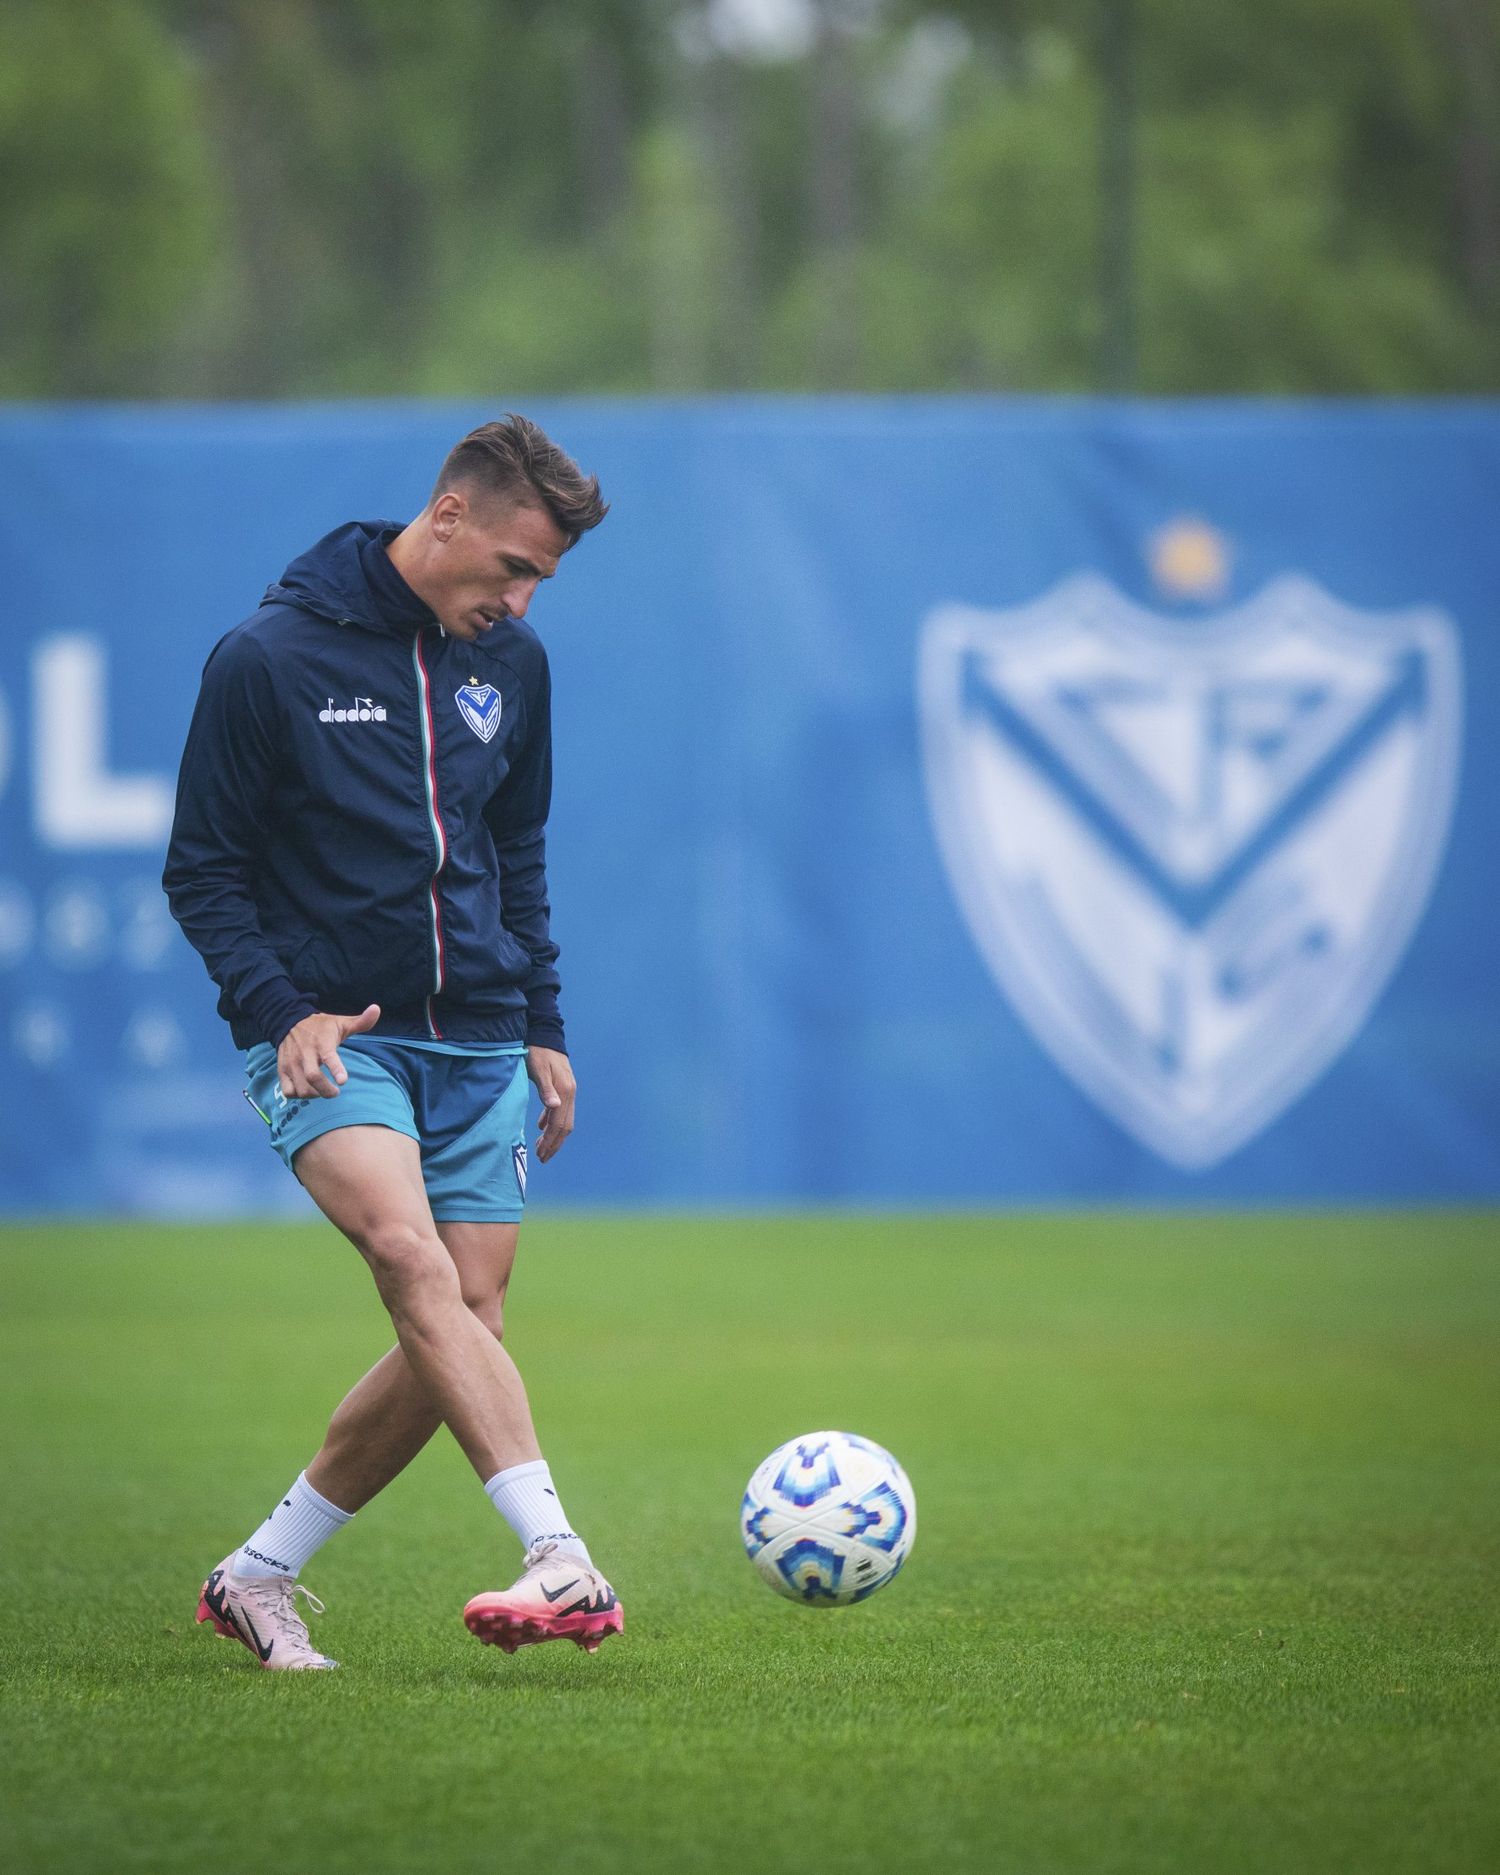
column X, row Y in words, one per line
column 518, row 1160
column 1192, row 853
column 479, row 706
column 362, row 710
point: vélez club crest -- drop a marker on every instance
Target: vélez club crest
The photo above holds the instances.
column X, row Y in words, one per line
column 479, row 705
column 1191, row 852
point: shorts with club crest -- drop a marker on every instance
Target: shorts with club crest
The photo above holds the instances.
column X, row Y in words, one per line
column 465, row 1108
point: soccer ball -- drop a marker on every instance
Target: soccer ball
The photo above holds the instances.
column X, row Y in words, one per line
column 828, row 1518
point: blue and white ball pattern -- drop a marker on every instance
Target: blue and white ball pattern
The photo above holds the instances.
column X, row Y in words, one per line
column 828, row 1518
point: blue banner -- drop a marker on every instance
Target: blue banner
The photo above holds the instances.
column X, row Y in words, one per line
column 957, row 801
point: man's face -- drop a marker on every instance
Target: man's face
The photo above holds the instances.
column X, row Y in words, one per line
column 485, row 560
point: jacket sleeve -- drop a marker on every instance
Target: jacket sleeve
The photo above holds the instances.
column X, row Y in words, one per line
column 223, row 789
column 517, row 819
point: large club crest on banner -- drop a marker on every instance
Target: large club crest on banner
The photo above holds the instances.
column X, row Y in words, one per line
column 1191, row 852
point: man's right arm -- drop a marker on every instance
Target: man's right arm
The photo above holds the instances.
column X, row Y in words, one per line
column 223, row 797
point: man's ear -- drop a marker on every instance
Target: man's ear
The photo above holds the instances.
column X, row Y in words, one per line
column 447, row 511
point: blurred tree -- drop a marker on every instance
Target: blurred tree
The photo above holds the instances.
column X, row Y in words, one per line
column 835, row 220
column 1296, row 207
column 495, row 197
column 109, row 220
column 1469, row 38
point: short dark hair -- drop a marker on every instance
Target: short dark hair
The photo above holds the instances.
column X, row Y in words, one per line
column 516, row 458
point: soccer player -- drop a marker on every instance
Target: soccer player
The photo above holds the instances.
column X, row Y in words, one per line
column 358, row 857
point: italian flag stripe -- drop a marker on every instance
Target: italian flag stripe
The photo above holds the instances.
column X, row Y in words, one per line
column 434, row 816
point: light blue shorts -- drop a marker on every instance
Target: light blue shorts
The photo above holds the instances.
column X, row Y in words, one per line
column 467, row 1113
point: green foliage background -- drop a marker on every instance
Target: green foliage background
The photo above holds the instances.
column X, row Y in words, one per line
column 273, row 198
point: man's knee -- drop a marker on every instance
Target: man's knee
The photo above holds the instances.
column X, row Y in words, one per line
column 407, row 1262
column 488, row 1308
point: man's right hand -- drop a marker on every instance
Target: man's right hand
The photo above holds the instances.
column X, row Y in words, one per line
column 308, row 1060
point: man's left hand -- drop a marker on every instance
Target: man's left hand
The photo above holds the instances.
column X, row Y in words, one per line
column 552, row 1072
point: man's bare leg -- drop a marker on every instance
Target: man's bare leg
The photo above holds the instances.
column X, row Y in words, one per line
column 387, row 1417
column 369, row 1183
column 367, row 1180
column 444, row 1287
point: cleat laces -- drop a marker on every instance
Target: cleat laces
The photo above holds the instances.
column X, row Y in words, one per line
column 278, row 1604
column 286, row 1605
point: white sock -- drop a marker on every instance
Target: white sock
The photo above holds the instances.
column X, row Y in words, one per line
column 526, row 1498
column 300, row 1524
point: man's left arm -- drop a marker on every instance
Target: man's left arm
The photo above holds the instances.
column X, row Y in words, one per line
column 517, row 819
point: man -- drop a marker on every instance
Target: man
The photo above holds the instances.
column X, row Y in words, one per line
column 358, row 858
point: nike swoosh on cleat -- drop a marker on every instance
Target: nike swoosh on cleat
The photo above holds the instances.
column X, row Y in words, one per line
column 242, row 1621
column 554, row 1595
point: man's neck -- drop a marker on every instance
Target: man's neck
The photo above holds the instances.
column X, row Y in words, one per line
column 397, row 595
column 404, row 554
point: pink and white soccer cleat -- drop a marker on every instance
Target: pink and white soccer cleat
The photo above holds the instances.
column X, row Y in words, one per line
column 261, row 1613
column 557, row 1598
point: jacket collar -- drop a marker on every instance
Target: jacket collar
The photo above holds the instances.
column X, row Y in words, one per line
column 349, row 577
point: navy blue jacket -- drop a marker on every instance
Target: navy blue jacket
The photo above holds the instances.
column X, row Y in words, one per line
column 361, row 810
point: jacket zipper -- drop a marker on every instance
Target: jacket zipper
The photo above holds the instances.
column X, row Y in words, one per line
column 439, row 838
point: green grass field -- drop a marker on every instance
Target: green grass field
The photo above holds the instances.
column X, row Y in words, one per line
column 1206, row 1576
